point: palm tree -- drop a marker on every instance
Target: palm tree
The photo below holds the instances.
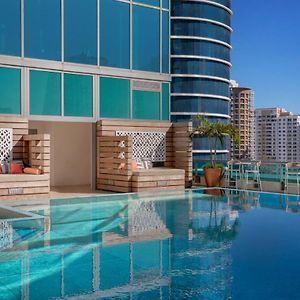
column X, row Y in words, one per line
column 215, row 132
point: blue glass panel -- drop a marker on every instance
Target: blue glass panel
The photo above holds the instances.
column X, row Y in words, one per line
column 10, row 27
column 226, row 3
column 115, row 266
column 80, row 25
column 43, row 29
column 149, row 2
column 114, row 98
column 199, row 104
column 200, row 86
column 146, row 256
column 186, row 118
column 165, row 42
column 201, row 29
column 78, row 95
column 200, row 48
column 146, row 38
column 11, row 276
column 114, row 34
column 165, row 4
column 42, row 270
column 201, row 10
column 165, row 97
column 202, row 143
column 45, row 93
column 200, row 66
column 145, row 105
column 80, row 262
column 10, row 91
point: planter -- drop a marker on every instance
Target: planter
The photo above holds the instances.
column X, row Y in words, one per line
column 213, row 176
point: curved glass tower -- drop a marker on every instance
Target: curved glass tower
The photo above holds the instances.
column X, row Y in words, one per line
column 200, row 59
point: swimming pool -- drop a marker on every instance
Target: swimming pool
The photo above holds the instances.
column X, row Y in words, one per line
column 183, row 245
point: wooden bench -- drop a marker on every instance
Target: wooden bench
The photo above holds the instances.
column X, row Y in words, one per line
column 34, row 150
column 158, row 179
column 116, row 152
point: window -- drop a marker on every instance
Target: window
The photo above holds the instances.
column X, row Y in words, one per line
column 78, row 95
column 43, row 29
column 114, row 34
column 146, row 49
column 165, row 42
column 114, row 98
column 80, row 25
column 165, row 101
column 45, row 93
column 10, row 27
column 10, row 91
column 145, row 105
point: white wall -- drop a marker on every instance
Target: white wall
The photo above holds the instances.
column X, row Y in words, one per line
column 71, row 151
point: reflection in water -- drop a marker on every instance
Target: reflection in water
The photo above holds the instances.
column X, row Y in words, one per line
column 128, row 247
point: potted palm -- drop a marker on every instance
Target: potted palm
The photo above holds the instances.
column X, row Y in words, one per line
column 215, row 132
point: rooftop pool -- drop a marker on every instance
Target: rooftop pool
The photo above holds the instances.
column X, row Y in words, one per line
column 197, row 244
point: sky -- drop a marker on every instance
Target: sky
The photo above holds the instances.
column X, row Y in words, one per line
column 266, row 51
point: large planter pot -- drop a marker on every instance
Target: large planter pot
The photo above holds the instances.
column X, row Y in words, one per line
column 213, row 176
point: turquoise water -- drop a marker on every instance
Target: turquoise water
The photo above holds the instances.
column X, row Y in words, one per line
column 184, row 245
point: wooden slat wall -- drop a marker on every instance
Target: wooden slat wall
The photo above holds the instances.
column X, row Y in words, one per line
column 178, row 156
column 37, row 151
column 20, row 128
column 109, row 128
column 182, row 149
column 20, row 185
column 114, row 155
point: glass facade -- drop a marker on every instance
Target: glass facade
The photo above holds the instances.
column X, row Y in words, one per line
column 78, row 59
column 200, row 49
column 80, row 25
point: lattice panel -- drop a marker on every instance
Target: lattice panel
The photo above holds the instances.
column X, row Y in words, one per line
column 147, row 145
column 6, row 144
column 6, row 235
column 147, row 218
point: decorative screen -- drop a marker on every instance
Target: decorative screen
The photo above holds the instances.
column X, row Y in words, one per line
column 6, row 144
column 147, row 145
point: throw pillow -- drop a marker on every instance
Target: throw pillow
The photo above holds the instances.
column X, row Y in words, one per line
column 16, row 168
column 32, row 171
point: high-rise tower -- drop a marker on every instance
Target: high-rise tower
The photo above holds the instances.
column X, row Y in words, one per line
column 200, row 60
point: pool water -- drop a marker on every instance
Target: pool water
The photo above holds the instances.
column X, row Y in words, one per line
column 183, row 245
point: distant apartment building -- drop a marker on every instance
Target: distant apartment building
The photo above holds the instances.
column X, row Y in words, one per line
column 277, row 135
column 242, row 116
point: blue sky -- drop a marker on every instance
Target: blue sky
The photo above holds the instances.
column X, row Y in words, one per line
column 266, row 51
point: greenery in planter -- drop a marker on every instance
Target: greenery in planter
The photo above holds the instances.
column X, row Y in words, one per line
column 215, row 132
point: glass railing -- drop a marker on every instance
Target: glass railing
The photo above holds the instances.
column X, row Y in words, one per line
column 269, row 171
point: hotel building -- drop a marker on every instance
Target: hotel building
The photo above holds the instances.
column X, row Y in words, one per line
column 64, row 64
column 242, row 116
column 277, row 135
column 200, row 62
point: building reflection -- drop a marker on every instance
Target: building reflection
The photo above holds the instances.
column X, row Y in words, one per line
column 125, row 248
